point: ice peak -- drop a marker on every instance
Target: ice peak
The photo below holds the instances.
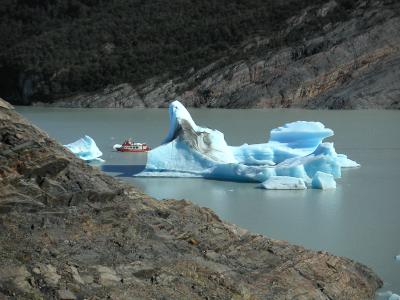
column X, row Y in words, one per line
column 295, row 150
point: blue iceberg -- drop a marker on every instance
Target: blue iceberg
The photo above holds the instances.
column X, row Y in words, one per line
column 85, row 148
column 284, row 183
column 394, row 297
column 388, row 295
column 294, row 151
column 323, row 181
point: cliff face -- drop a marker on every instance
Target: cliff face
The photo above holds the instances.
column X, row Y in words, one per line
column 326, row 54
column 355, row 64
column 351, row 65
column 69, row 231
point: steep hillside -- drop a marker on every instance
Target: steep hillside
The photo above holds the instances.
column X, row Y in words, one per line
column 121, row 53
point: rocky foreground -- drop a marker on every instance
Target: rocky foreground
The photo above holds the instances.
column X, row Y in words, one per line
column 68, row 231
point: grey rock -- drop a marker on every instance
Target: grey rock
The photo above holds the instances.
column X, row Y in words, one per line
column 66, row 295
column 325, row 9
column 50, row 275
column 123, row 95
column 5, row 105
column 17, row 275
column 108, row 276
column 106, row 239
column 76, row 276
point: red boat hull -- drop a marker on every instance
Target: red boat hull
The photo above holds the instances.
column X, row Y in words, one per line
column 130, row 146
column 132, row 150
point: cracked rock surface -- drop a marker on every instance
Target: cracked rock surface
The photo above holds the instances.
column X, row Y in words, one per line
column 69, row 231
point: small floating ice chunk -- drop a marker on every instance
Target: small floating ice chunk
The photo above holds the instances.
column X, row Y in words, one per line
column 323, row 181
column 284, row 183
column 397, row 257
column 345, row 162
column 394, row 297
column 388, row 295
column 85, row 148
column 96, row 161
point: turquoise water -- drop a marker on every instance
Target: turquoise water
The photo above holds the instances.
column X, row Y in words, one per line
column 360, row 219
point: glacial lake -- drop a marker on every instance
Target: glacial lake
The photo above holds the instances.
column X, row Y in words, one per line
column 359, row 220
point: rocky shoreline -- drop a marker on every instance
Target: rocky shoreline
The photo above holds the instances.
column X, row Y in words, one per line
column 69, row 231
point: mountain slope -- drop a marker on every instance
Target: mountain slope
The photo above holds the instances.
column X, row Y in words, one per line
column 120, row 53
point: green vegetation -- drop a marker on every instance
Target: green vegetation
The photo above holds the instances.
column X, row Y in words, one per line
column 55, row 48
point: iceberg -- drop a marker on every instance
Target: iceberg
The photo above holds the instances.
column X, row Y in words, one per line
column 85, row 148
column 323, row 181
column 388, row 295
column 394, row 297
column 294, row 151
column 284, row 183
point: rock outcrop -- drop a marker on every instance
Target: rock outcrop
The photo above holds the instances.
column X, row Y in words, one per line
column 346, row 65
column 68, row 231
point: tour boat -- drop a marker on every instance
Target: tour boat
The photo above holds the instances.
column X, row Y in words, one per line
column 130, row 146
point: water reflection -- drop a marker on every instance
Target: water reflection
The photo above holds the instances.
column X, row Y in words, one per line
column 123, row 170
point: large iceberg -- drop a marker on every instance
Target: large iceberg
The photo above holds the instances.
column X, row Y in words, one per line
column 294, row 150
column 85, row 148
